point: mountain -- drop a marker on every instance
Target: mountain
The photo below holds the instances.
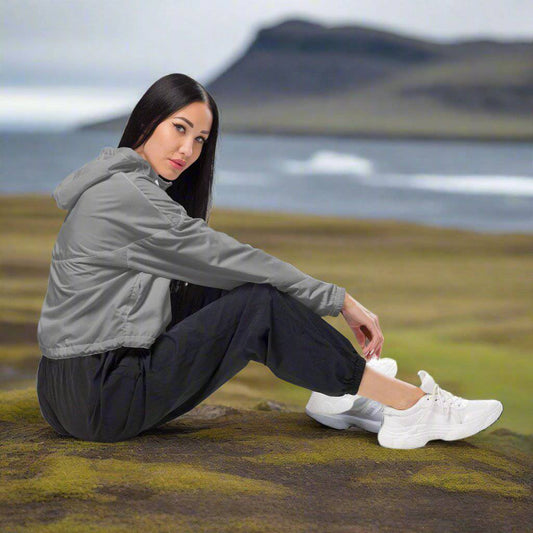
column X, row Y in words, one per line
column 359, row 80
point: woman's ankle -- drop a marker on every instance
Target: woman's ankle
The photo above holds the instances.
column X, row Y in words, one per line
column 410, row 400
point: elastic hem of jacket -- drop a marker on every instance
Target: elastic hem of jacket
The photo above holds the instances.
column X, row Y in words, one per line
column 340, row 295
column 80, row 350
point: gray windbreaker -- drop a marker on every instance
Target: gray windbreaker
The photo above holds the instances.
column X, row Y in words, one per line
column 122, row 241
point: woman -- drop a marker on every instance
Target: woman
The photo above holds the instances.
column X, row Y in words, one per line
column 148, row 310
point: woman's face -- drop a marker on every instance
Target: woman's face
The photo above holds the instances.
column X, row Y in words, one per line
column 179, row 137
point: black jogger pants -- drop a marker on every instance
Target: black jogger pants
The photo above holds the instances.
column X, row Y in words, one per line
column 117, row 394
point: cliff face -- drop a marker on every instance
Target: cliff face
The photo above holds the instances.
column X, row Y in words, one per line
column 374, row 83
column 298, row 58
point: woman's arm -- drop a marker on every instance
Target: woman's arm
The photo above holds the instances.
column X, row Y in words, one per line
column 188, row 249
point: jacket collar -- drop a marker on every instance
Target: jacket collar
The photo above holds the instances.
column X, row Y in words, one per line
column 130, row 154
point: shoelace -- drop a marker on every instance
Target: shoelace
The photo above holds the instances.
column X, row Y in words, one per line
column 447, row 399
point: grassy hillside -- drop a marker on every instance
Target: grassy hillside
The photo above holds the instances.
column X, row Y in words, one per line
column 454, row 303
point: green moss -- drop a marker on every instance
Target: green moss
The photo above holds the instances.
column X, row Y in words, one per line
column 74, row 523
column 20, row 405
column 345, row 447
column 487, row 457
column 72, row 444
column 55, row 476
column 59, row 475
column 278, row 440
column 10, row 448
column 506, row 442
column 165, row 523
column 216, row 433
column 364, row 447
column 82, row 523
column 460, row 479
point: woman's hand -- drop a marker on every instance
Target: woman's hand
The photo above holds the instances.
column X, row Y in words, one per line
column 365, row 325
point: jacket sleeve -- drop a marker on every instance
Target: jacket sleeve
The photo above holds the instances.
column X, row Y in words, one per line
column 190, row 250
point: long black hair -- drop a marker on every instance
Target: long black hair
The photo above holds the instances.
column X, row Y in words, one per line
column 194, row 187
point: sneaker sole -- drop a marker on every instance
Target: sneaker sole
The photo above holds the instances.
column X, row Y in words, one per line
column 341, row 421
column 388, row 440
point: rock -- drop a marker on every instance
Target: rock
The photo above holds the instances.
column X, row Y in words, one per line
column 209, row 412
column 269, row 405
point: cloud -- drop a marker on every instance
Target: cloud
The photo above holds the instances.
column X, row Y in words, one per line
column 106, row 42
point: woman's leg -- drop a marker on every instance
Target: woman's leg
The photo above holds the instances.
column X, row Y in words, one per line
column 374, row 385
column 46, row 394
column 389, row 391
column 129, row 390
column 253, row 322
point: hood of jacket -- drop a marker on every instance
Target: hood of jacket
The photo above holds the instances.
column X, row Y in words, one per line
column 110, row 161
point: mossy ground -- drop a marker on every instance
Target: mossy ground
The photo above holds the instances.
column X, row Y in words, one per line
column 219, row 468
column 456, row 304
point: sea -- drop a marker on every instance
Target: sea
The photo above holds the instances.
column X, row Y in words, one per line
column 485, row 187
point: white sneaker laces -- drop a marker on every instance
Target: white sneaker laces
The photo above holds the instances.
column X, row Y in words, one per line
column 447, row 399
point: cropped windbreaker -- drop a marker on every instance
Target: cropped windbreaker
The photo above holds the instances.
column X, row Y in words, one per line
column 121, row 243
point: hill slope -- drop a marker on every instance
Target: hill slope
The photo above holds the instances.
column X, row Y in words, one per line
column 301, row 77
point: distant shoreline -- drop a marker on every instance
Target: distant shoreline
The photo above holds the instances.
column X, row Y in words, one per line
column 380, row 136
column 374, row 136
column 371, row 135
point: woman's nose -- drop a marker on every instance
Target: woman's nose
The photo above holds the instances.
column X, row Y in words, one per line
column 186, row 149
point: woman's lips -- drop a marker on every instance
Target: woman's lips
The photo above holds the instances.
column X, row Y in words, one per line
column 179, row 166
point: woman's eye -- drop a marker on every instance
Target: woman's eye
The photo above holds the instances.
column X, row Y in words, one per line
column 181, row 126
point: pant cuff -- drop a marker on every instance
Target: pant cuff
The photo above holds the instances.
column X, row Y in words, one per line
column 360, row 364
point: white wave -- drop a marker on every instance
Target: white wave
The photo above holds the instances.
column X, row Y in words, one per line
column 329, row 162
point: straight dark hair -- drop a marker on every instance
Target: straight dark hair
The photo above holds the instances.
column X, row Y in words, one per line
column 194, row 187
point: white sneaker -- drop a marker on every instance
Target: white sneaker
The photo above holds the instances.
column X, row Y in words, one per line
column 342, row 412
column 437, row 415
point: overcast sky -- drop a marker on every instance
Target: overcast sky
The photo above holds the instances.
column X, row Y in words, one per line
column 125, row 45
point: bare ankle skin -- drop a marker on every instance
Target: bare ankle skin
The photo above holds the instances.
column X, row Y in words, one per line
column 388, row 391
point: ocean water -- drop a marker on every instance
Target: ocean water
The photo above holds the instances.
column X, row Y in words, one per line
column 485, row 187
